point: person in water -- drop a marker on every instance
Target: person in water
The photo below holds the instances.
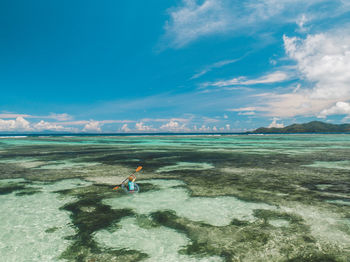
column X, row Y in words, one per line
column 131, row 183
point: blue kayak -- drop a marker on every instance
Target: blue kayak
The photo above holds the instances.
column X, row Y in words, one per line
column 136, row 190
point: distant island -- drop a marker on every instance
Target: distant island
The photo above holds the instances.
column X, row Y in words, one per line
column 311, row 127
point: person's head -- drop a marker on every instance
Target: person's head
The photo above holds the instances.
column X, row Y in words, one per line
column 131, row 178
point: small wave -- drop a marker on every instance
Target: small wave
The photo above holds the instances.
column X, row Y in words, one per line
column 12, row 136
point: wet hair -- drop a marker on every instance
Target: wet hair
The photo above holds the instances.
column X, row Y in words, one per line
column 131, row 178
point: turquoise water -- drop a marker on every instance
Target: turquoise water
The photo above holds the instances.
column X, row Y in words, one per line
column 215, row 198
column 26, row 221
column 230, row 141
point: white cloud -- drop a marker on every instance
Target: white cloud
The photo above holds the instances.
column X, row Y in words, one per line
column 125, row 128
column 242, row 109
column 340, row 108
column 115, row 121
column 325, row 60
column 228, row 127
column 291, row 104
column 142, row 127
column 268, row 79
column 174, row 126
column 19, row 124
column 213, row 66
column 248, row 113
column 275, row 124
column 59, row 117
column 13, row 115
column 245, row 111
column 194, row 19
column 165, row 119
column 273, row 61
column 204, row 128
column 301, row 21
column 47, row 126
column 171, row 125
column 84, row 122
column 323, row 64
column 274, row 77
column 92, row 126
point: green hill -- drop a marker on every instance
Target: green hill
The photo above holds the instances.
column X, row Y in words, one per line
column 311, row 127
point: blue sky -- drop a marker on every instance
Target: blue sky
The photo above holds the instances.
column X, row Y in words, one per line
column 178, row 66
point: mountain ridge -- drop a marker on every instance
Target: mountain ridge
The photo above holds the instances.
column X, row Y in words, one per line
column 310, row 127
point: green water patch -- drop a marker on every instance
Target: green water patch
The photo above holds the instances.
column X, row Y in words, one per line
column 25, row 221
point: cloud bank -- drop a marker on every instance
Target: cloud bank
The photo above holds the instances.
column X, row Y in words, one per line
column 92, row 126
column 195, row 19
column 323, row 66
column 19, row 124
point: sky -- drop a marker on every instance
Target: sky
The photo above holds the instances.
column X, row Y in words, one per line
column 172, row 66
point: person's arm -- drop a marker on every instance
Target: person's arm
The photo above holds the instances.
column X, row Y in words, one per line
column 134, row 178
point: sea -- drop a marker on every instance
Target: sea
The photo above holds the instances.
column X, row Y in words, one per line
column 202, row 197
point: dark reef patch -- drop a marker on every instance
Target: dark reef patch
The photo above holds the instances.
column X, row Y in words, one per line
column 243, row 240
column 51, row 230
column 11, row 188
column 28, row 191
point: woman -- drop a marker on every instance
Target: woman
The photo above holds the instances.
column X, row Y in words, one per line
column 131, row 183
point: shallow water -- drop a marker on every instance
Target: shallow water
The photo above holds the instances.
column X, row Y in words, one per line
column 217, row 211
column 32, row 226
column 215, row 198
column 160, row 243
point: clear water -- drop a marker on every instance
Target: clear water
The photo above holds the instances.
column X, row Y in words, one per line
column 160, row 243
column 26, row 222
column 234, row 198
column 217, row 211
